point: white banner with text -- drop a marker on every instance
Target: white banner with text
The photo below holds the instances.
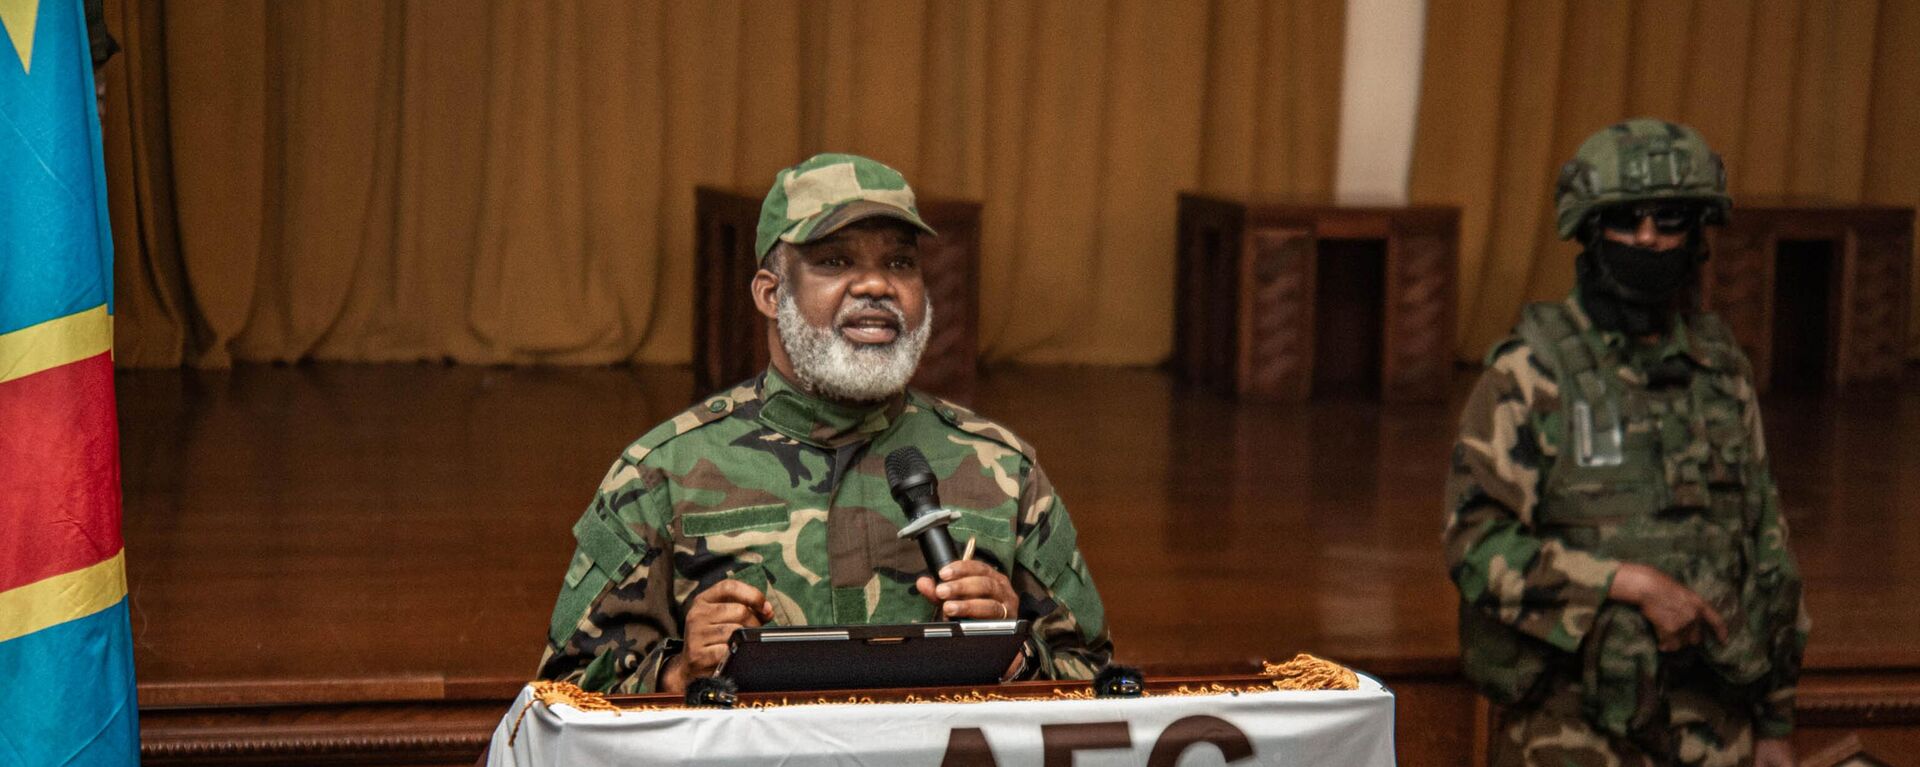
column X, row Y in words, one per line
column 1350, row 728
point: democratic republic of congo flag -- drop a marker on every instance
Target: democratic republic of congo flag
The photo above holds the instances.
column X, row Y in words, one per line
column 66, row 655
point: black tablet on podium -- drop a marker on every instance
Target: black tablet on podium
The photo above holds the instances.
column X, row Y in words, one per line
column 783, row 658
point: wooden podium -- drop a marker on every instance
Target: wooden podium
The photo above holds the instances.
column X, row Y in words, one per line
column 729, row 335
column 1286, row 302
column 1817, row 294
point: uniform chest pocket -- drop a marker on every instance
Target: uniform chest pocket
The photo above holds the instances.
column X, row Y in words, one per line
column 1593, row 495
column 1729, row 446
column 720, row 523
column 1728, row 470
column 1727, row 456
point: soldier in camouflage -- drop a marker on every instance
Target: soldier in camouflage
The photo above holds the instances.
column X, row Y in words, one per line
column 1627, row 593
column 767, row 504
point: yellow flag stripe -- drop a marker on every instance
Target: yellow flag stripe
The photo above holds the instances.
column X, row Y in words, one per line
column 19, row 17
column 55, row 342
column 64, row 597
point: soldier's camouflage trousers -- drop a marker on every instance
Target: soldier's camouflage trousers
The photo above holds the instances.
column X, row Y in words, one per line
column 1554, row 733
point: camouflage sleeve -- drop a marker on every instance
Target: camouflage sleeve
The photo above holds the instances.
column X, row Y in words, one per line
column 1500, row 564
column 616, row 602
column 1070, row 639
column 1779, row 575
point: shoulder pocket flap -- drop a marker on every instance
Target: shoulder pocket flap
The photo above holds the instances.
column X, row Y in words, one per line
column 762, row 517
column 1059, row 566
column 1055, row 556
column 582, row 564
column 604, row 543
column 575, row 599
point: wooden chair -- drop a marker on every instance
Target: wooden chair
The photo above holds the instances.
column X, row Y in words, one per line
column 1815, row 293
column 1287, row 301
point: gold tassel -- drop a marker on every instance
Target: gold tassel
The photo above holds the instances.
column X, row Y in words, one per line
column 571, row 694
column 1307, row 672
column 561, row 692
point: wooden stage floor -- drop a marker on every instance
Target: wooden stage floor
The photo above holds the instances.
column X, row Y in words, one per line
column 365, row 533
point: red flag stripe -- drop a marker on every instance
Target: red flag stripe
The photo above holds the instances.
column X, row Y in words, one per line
column 59, row 471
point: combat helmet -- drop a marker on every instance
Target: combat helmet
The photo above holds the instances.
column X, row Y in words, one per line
column 1638, row 160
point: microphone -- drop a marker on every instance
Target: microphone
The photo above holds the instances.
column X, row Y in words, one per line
column 917, row 492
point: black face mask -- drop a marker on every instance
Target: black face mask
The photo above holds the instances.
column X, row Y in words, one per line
column 1630, row 289
column 1641, row 276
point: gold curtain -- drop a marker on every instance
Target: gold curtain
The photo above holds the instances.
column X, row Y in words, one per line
column 512, row 181
column 1803, row 98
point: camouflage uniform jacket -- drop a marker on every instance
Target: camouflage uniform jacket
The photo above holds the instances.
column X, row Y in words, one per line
column 1542, row 585
column 788, row 493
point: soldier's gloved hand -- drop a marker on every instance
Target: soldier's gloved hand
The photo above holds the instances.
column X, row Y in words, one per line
column 1677, row 614
column 971, row 590
column 711, row 619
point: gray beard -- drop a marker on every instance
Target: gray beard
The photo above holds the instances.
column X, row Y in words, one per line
column 829, row 365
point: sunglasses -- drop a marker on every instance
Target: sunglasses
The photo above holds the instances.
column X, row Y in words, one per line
column 1668, row 218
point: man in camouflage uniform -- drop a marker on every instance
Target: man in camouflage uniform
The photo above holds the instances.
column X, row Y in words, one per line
column 1626, row 588
column 768, row 503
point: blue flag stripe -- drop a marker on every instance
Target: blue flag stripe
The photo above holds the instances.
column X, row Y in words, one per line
column 66, row 690
column 55, row 251
column 69, row 694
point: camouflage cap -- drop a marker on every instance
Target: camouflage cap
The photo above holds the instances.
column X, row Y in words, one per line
column 817, row 197
column 1640, row 160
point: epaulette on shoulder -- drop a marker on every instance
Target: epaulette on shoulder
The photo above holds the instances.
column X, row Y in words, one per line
column 973, row 423
column 706, row 411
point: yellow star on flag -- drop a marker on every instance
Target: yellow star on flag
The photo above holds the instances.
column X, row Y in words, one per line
column 18, row 16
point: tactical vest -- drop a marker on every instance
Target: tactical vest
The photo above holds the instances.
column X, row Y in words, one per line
column 1664, row 476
